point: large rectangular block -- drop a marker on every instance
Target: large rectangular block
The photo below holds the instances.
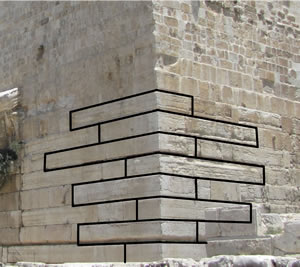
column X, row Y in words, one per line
column 9, row 236
column 53, row 234
column 208, row 129
column 181, row 125
column 46, row 197
column 142, row 124
column 40, row 179
column 9, row 201
column 72, row 215
column 119, row 150
column 66, row 140
column 156, row 252
column 129, row 106
column 255, row 246
column 186, row 209
column 201, row 168
column 139, row 231
column 10, row 219
column 216, row 150
column 65, row 253
column 137, row 187
column 222, row 230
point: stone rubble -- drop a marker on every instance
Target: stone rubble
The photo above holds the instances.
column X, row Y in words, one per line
column 217, row 261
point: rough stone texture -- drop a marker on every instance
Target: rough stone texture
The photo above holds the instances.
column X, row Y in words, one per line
column 238, row 59
column 219, row 261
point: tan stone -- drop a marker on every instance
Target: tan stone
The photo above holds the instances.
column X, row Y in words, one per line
column 65, row 253
column 137, row 231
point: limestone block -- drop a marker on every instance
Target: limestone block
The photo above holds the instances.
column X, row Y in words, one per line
column 225, row 191
column 103, row 152
column 137, row 231
column 9, row 201
column 288, row 241
column 143, row 165
column 263, row 156
column 128, row 127
column 271, row 224
column 176, row 144
column 65, row 253
column 54, row 234
column 210, row 169
column 62, row 140
column 204, row 190
column 257, row 246
column 67, row 214
column 221, row 230
column 155, row 252
column 12, row 184
column 46, row 198
column 194, row 167
column 9, row 236
column 187, row 209
column 154, row 185
column 229, row 229
column 206, row 129
column 10, row 219
column 120, row 149
column 160, row 121
column 130, row 106
column 95, row 172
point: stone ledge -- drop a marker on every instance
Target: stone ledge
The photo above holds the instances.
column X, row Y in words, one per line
column 217, row 261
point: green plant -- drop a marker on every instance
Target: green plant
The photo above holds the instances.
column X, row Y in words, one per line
column 7, row 155
column 274, row 231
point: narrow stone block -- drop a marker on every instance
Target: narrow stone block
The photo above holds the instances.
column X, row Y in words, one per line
column 128, row 107
column 137, row 232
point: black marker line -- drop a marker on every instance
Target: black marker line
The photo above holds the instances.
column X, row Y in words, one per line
column 132, row 96
column 196, row 189
column 124, row 253
column 163, row 196
column 162, row 220
column 142, row 242
column 137, row 209
column 99, row 133
column 70, row 121
column 197, row 232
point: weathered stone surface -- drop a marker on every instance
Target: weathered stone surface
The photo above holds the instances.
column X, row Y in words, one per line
column 137, row 231
column 154, row 185
column 220, row 261
column 131, row 106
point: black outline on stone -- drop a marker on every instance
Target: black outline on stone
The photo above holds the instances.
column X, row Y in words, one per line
column 256, row 145
column 174, row 155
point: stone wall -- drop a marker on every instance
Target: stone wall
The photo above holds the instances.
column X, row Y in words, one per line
column 240, row 59
column 222, row 126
